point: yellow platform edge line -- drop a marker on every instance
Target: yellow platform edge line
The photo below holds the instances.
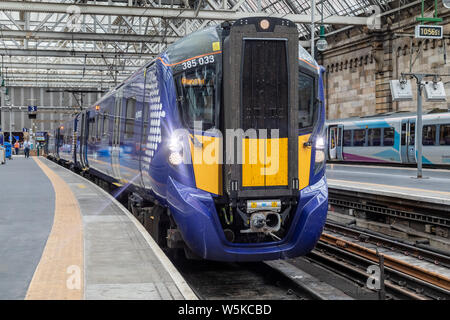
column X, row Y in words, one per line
column 60, row 272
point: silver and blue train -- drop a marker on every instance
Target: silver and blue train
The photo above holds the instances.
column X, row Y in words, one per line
column 248, row 75
column 390, row 138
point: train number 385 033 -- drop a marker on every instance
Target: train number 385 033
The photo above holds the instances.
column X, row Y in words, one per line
column 198, row 62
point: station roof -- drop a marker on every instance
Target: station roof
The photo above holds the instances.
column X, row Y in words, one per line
column 98, row 43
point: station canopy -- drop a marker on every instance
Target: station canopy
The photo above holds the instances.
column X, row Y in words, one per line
column 97, row 44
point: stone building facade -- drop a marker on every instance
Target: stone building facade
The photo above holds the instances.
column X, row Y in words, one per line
column 361, row 62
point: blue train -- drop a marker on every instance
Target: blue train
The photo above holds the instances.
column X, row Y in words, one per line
column 390, row 138
column 218, row 143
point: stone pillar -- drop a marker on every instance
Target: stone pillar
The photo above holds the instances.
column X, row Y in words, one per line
column 383, row 54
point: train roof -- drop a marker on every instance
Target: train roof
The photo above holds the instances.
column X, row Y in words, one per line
column 202, row 42
column 392, row 115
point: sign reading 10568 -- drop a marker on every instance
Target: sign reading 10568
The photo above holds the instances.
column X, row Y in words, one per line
column 429, row 32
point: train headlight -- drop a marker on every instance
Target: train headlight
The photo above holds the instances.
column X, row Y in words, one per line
column 175, row 158
column 175, row 144
column 320, row 143
column 320, row 154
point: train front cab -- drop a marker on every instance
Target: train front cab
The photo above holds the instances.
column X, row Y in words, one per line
column 254, row 214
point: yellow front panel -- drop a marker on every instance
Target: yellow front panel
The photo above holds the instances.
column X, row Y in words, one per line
column 277, row 162
column 304, row 161
column 205, row 160
column 265, row 162
column 253, row 164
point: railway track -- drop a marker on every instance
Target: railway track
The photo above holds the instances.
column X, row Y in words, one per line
column 410, row 272
column 238, row 281
column 435, row 257
column 340, row 253
column 376, row 207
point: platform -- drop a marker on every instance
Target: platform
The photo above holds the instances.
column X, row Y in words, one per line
column 392, row 181
column 63, row 237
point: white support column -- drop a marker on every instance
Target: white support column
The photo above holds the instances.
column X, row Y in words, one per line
column 52, row 114
column 2, row 107
column 22, row 122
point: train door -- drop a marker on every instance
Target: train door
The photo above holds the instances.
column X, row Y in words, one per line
column 74, row 140
column 145, row 124
column 83, row 139
column 408, row 142
column 58, row 143
column 339, row 142
column 332, row 143
column 115, row 145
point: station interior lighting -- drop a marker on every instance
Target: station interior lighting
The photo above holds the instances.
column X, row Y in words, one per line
column 322, row 43
column 401, row 90
column 435, row 91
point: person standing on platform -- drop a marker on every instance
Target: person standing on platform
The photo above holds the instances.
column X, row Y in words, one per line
column 17, row 146
column 26, row 148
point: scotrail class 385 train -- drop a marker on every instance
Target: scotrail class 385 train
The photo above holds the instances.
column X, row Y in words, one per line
column 390, row 138
column 218, row 143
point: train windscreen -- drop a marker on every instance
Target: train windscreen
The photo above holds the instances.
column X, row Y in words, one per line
column 306, row 110
column 196, row 96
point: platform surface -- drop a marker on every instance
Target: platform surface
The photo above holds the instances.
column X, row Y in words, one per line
column 392, row 181
column 63, row 237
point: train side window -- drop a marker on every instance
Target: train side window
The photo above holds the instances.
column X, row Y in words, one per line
column 92, row 130
column 98, row 127
column 388, row 137
column 444, row 137
column 412, row 134
column 359, row 138
column 374, row 137
column 347, row 138
column 403, row 134
column 196, row 95
column 130, row 114
column 306, row 112
column 105, row 124
column 429, row 135
column 339, row 137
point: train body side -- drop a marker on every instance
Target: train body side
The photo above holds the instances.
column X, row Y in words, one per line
column 364, row 139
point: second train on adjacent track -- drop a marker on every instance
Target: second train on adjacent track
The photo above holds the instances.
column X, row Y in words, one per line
column 390, row 138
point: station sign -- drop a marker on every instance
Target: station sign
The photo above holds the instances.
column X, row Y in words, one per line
column 32, row 108
column 429, row 32
column 40, row 136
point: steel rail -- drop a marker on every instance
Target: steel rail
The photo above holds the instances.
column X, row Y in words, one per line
column 398, row 265
column 352, row 272
column 382, row 210
column 379, row 240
